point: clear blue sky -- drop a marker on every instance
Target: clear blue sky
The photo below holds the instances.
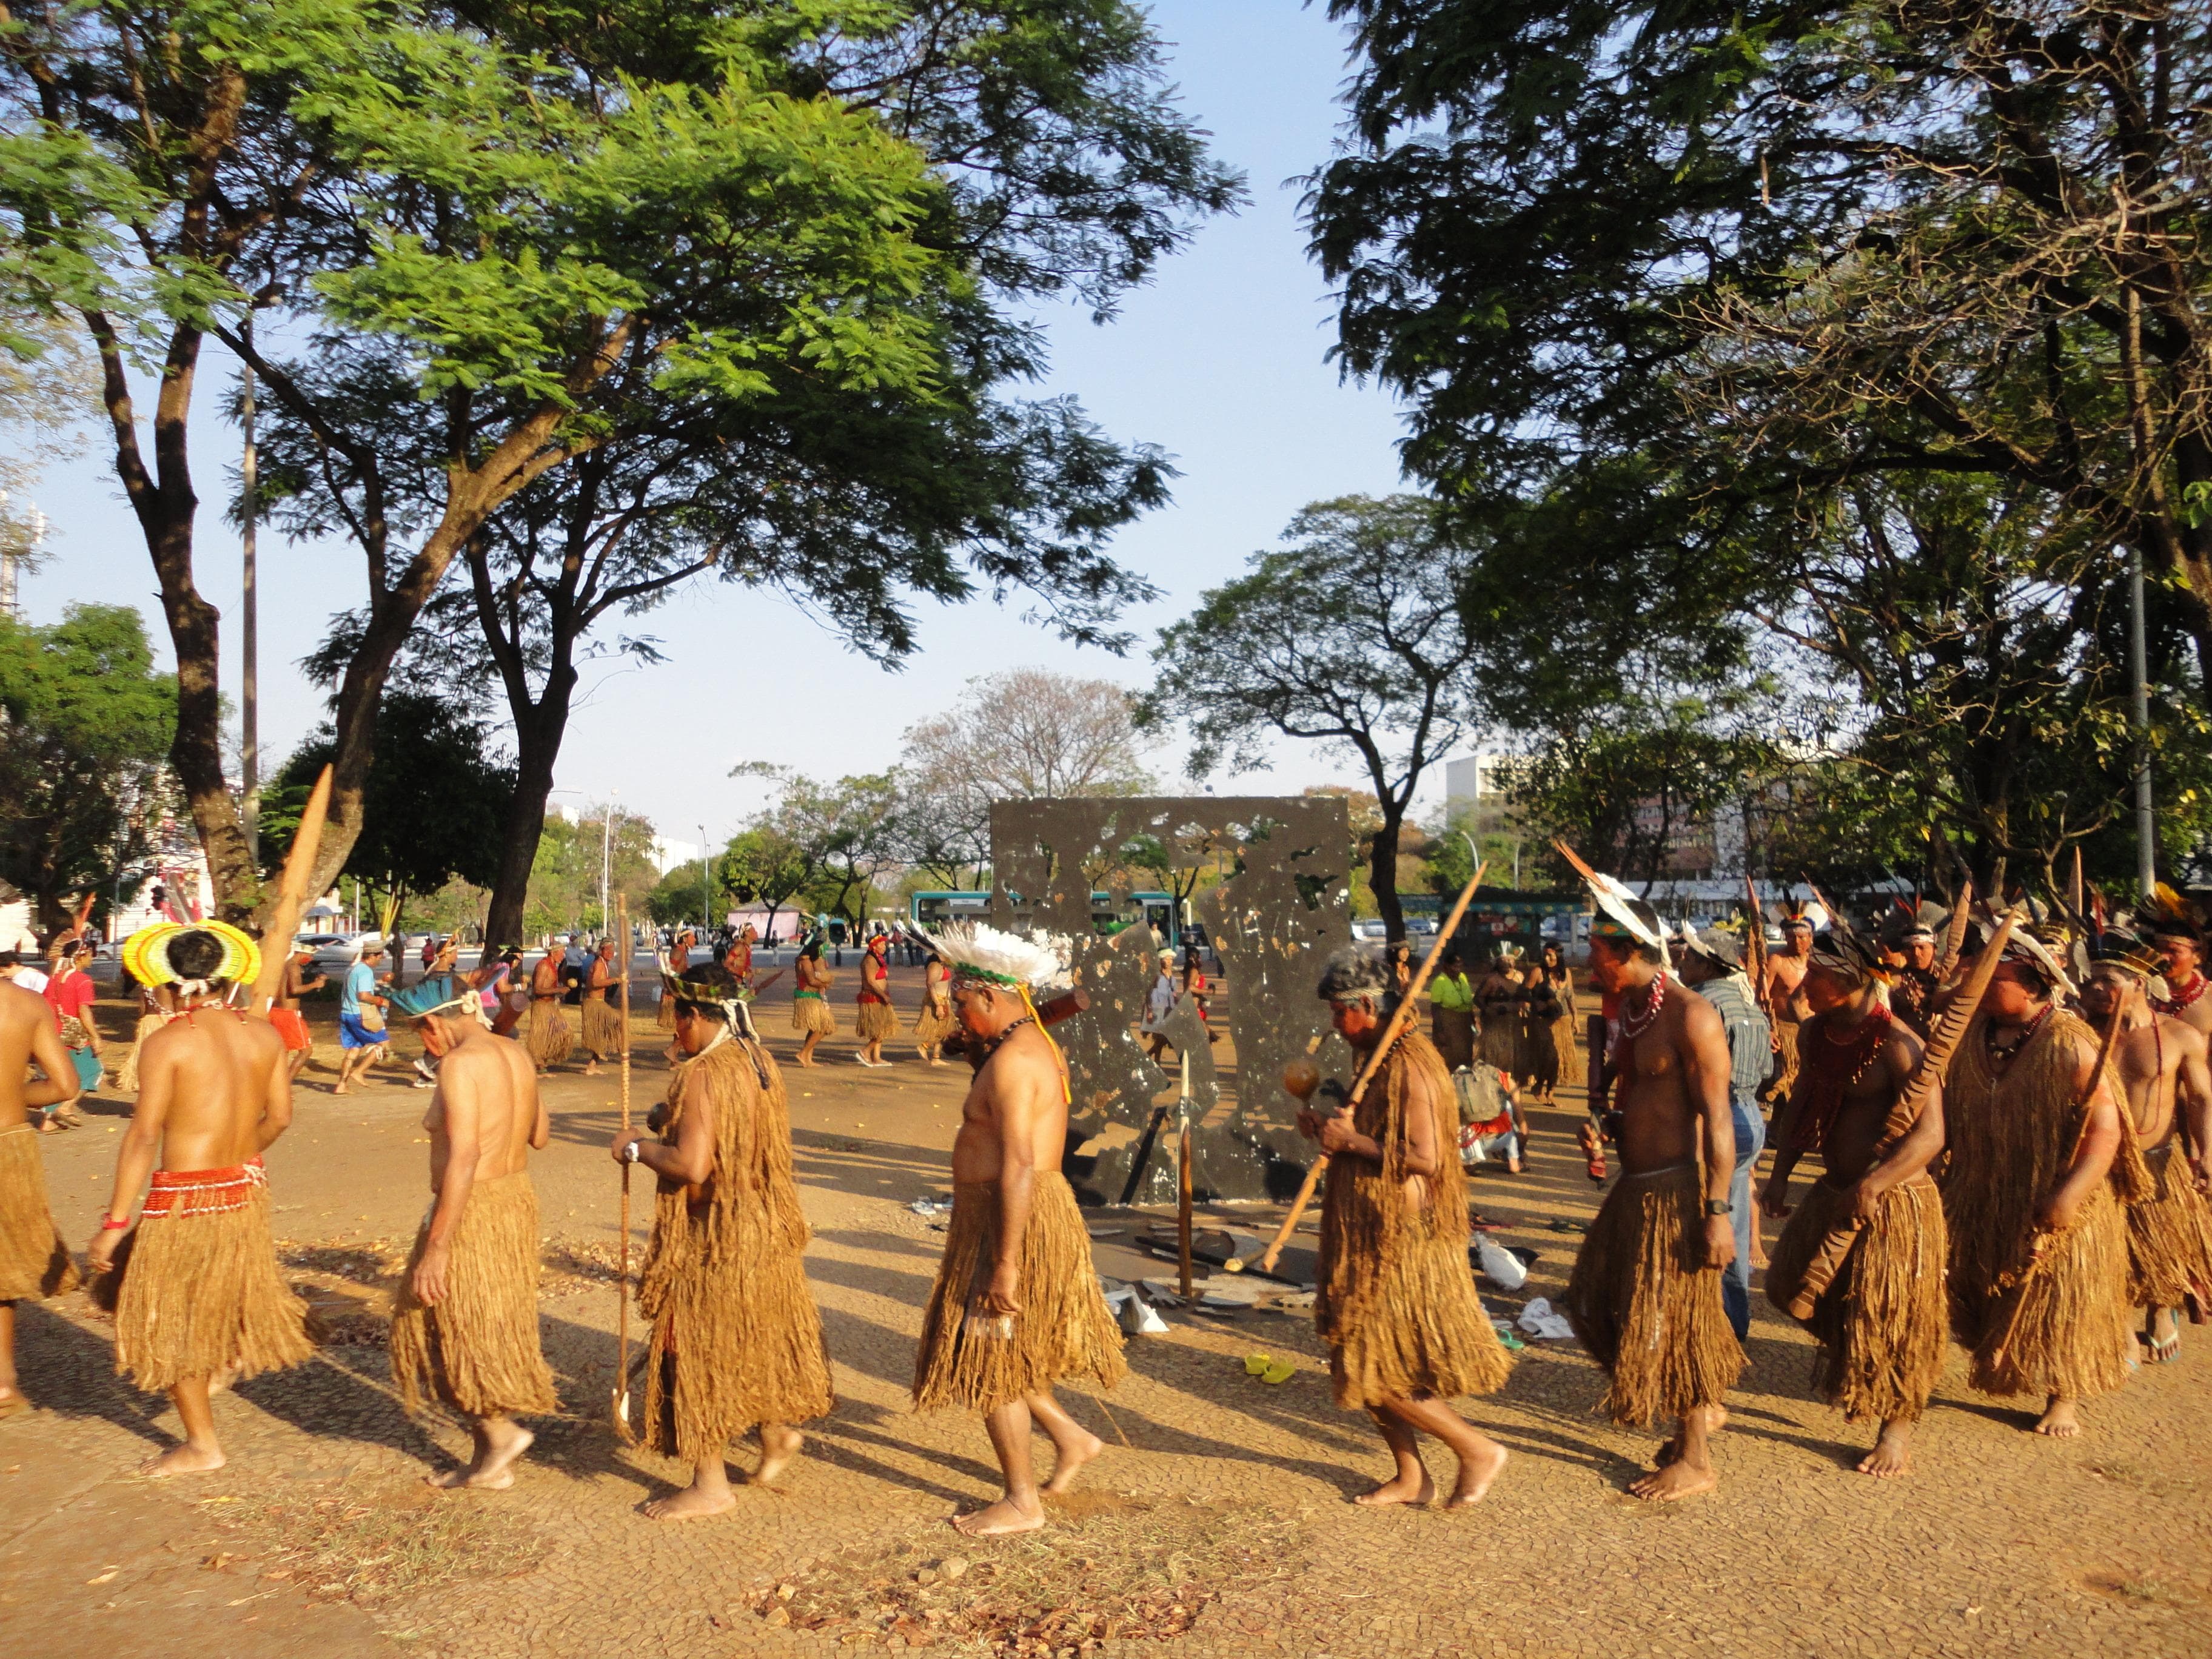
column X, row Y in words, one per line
column 1221, row 361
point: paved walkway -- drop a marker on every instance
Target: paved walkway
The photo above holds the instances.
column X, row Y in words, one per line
column 1217, row 1519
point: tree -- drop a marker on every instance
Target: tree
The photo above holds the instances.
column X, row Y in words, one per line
column 768, row 864
column 1767, row 249
column 1049, row 158
column 46, row 393
column 1019, row 734
column 832, row 842
column 85, row 722
column 537, row 228
column 1351, row 635
column 435, row 797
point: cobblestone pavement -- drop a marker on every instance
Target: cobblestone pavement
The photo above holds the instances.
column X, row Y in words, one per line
column 319, row 1538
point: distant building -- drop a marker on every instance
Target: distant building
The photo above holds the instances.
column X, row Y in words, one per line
column 1477, row 783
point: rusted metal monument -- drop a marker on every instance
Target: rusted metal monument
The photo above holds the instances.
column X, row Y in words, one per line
column 1282, row 903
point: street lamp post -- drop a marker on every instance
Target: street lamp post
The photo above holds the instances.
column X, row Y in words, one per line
column 606, row 857
column 705, row 899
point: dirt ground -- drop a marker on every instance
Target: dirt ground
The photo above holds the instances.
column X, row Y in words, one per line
column 1216, row 1524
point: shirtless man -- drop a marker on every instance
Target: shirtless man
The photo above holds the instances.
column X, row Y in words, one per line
column 1782, row 994
column 465, row 1321
column 2180, row 946
column 551, row 1039
column 1017, row 1306
column 2161, row 1064
column 201, row 1299
column 1677, row 1139
column 1397, row 1305
column 284, row 1011
column 603, row 1021
column 1881, row 1321
column 33, row 1261
column 737, row 1339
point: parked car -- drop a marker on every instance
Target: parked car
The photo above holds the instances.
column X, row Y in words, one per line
column 334, row 952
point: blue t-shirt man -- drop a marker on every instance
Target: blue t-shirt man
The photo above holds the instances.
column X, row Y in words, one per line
column 360, row 982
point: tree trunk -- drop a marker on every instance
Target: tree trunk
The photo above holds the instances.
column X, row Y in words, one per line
column 538, row 729
column 1383, row 873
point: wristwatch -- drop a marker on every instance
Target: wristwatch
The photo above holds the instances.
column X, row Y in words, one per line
column 1716, row 1207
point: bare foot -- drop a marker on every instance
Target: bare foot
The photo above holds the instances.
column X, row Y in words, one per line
column 779, row 1445
column 1475, row 1475
column 1680, row 1479
column 689, row 1503
column 503, row 1443
column 187, row 1459
column 1063, row 1470
column 1000, row 1519
column 1672, row 1448
column 1892, row 1455
column 2059, row 1421
column 1398, row 1489
column 592, row 1069
column 343, row 1088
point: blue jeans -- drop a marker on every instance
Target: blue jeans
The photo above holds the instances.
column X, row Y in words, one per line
column 1736, row 1278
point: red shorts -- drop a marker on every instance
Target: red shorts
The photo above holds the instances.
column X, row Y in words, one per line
column 292, row 1026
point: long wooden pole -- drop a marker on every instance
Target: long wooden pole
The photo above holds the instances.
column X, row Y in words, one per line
column 1182, row 1181
column 621, row 1289
column 1381, row 1052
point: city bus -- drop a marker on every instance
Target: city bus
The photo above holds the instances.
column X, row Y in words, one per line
column 930, row 911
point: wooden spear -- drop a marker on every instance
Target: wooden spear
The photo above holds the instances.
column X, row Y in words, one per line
column 1954, row 931
column 622, row 1288
column 1390, row 1035
column 291, row 894
column 1935, row 1060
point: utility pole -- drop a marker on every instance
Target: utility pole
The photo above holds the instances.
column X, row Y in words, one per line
column 706, row 902
column 249, row 679
column 606, row 857
column 2139, row 673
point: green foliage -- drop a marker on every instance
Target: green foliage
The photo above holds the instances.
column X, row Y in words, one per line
column 831, row 843
column 436, row 795
column 86, row 724
column 1351, row 635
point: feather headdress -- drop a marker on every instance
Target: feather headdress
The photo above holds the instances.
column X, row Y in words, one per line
column 2169, row 914
column 1843, row 949
column 977, row 951
column 2114, row 948
column 715, row 987
column 1910, row 921
column 2025, row 946
column 438, row 993
column 146, row 954
column 1616, row 906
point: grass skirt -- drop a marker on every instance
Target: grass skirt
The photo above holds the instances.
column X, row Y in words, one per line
column 1501, row 1042
column 126, row 1074
column 663, row 1011
column 1417, row 1328
column 1567, row 1042
column 931, row 1026
column 1647, row 1307
column 1063, row 1329
column 875, row 1021
column 33, row 1261
column 603, row 1032
column 2170, row 1238
column 812, row 1014
column 478, row 1350
column 1880, row 1324
column 551, row 1039
column 201, row 1296
column 1539, row 1053
column 2065, row 1330
column 736, row 1340
column 1452, row 1030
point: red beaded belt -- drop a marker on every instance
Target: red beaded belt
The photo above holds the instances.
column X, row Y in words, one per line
column 203, row 1191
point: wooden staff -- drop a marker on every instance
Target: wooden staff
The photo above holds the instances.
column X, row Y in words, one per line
column 1935, row 1060
column 1182, row 1179
column 621, row 1404
column 1399, row 1021
column 291, row 895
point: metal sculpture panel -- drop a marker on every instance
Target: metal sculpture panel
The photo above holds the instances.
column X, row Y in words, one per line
column 1281, row 901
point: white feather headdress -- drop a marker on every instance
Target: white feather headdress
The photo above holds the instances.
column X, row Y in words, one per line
column 976, row 950
column 1617, row 905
